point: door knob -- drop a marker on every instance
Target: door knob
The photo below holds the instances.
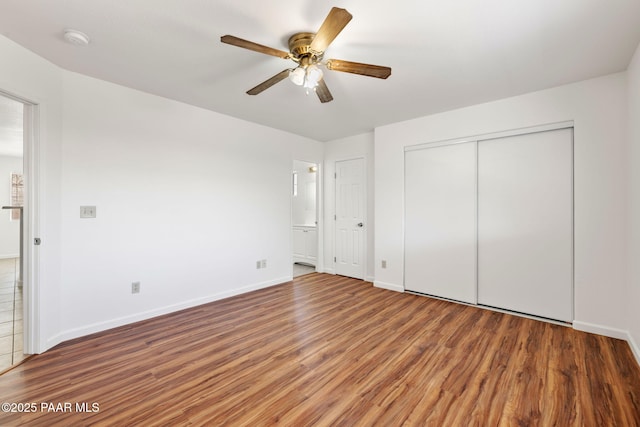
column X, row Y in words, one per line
column 360, row 224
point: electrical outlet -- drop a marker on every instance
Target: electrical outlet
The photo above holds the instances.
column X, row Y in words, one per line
column 384, row 263
column 87, row 211
column 135, row 287
column 263, row 263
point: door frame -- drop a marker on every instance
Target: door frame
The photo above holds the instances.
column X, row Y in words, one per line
column 31, row 224
column 319, row 218
column 365, row 217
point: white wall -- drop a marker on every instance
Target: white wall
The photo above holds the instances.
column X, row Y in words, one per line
column 598, row 109
column 359, row 146
column 32, row 78
column 633, row 299
column 9, row 230
column 187, row 201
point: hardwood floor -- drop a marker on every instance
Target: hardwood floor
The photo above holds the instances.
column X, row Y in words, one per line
column 327, row 350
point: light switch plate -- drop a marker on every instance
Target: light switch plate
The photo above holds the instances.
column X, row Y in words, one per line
column 87, row 211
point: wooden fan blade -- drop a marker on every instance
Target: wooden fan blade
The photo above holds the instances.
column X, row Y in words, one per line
column 268, row 83
column 358, row 68
column 323, row 92
column 335, row 21
column 235, row 41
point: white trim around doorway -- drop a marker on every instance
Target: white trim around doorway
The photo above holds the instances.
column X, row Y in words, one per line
column 31, row 161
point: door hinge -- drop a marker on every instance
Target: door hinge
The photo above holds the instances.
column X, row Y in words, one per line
column 335, row 217
column 335, row 175
column 334, row 259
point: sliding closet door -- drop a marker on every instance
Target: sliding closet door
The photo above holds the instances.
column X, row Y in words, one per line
column 440, row 221
column 525, row 224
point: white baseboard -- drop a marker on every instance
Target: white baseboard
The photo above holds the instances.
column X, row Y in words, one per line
column 389, row 286
column 634, row 347
column 50, row 343
column 332, row 271
column 600, row 330
column 125, row 320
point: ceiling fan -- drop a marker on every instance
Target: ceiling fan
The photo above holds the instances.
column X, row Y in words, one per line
column 307, row 50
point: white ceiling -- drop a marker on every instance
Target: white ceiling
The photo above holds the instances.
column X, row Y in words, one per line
column 444, row 53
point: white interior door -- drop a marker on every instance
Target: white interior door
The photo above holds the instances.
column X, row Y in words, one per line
column 440, row 221
column 349, row 219
column 525, row 223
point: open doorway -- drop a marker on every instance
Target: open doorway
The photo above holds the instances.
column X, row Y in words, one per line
column 11, row 231
column 304, row 184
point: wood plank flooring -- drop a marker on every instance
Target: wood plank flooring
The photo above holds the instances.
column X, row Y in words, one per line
column 331, row 351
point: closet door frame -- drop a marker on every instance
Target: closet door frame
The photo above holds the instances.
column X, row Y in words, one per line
column 494, row 135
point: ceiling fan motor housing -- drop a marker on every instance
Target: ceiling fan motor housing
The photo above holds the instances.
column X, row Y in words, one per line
column 300, row 47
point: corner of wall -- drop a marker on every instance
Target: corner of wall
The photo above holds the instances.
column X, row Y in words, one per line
column 635, row 348
column 600, row 330
column 633, row 207
column 388, row 286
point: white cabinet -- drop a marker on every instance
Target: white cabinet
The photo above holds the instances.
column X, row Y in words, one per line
column 305, row 244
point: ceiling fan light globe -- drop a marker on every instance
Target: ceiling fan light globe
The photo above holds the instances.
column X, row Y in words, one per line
column 297, row 76
column 314, row 74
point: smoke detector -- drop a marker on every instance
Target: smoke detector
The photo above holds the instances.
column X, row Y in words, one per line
column 76, row 37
